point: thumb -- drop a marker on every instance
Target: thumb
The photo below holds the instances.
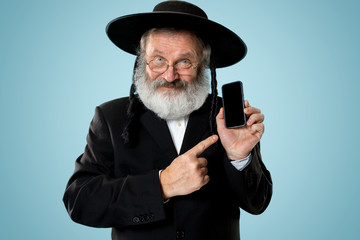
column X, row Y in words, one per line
column 220, row 121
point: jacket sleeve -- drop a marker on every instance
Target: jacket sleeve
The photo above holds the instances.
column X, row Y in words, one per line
column 252, row 186
column 94, row 197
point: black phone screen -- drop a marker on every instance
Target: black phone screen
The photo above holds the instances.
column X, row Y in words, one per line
column 233, row 103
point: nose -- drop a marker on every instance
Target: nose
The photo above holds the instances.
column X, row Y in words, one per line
column 171, row 74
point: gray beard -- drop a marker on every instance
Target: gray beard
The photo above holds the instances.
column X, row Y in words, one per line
column 172, row 104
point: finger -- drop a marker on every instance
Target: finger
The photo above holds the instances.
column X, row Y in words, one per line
column 206, row 179
column 247, row 104
column 255, row 118
column 220, row 114
column 202, row 162
column 258, row 129
column 204, row 171
column 251, row 110
column 203, row 145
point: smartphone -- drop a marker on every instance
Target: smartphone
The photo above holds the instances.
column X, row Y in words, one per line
column 233, row 103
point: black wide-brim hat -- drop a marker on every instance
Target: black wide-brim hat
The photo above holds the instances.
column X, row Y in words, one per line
column 227, row 48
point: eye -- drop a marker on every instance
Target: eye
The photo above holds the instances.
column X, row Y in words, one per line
column 158, row 60
column 184, row 63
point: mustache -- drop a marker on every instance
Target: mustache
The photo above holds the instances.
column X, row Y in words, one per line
column 161, row 82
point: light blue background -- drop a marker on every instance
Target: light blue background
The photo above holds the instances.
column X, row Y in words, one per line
column 301, row 70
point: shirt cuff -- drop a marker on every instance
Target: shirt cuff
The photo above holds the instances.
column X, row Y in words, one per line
column 167, row 200
column 242, row 163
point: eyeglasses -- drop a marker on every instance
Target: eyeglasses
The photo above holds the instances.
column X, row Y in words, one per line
column 160, row 65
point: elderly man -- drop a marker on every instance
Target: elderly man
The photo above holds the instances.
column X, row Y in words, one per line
column 160, row 164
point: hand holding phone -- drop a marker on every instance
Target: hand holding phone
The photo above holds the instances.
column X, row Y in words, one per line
column 233, row 103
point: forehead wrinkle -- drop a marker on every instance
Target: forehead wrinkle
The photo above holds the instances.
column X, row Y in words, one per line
column 187, row 55
column 170, row 48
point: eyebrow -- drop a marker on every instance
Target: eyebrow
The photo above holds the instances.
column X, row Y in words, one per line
column 188, row 55
column 184, row 55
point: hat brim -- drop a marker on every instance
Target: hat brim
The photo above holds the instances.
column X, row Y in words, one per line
column 227, row 47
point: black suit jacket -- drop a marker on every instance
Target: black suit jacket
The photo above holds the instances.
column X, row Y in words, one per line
column 118, row 186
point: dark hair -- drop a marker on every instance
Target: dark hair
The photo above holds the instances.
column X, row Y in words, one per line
column 131, row 112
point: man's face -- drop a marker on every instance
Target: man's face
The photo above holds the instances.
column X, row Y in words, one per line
column 173, row 48
column 172, row 92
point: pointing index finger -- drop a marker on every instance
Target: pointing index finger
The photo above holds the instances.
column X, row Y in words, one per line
column 203, row 145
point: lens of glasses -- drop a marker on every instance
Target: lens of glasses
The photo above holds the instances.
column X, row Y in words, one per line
column 160, row 65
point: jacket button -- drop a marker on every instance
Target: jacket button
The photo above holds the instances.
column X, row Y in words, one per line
column 136, row 220
column 180, row 234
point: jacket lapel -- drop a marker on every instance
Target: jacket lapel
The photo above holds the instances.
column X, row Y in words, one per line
column 196, row 128
column 159, row 131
